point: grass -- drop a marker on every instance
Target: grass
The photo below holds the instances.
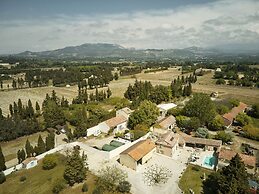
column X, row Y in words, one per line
column 10, row 148
column 255, row 122
column 37, row 180
column 192, row 179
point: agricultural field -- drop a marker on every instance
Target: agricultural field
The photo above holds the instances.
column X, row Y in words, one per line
column 204, row 84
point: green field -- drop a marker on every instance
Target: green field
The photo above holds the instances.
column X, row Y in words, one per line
column 192, row 179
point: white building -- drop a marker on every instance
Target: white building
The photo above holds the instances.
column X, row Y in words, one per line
column 29, row 163
column 163, row 108
column 117, row 124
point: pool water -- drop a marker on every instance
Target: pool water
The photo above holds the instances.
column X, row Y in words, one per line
column 209, row 161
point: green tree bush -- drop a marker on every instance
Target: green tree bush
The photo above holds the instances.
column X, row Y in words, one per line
column 49, row 161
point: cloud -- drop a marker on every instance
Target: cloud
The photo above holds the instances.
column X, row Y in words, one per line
column 233, row 22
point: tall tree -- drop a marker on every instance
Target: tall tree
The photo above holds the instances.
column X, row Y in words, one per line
column 50, row 141
column 37, row 108
column 41, row 147
column 230, row 179
column 75, row 168
column 109, row 93
column 28, row 148
column 53, row 114
column 2, row 161
column 146, row 114
column 202, row 107
column 30, row 110
column 11, row 109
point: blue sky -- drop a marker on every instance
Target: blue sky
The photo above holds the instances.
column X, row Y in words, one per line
column 38, row 25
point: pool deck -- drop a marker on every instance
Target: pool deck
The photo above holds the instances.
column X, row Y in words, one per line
column 201, row 157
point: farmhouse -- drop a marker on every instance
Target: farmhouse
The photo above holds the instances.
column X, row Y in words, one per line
column 226, row 155
column 165, row 125
column 117, row 124
column 29, row 163
column 137, row 154
column 230, row 117
column 168, row 143
column 163, row 108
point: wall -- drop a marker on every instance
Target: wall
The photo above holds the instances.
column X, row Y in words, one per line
column 104, row 127
column 93, row 131
column 164, row 150
column 148, row 156
column 126, row 160
column 121, row 127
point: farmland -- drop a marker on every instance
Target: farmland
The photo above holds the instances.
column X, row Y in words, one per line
column 204, row 84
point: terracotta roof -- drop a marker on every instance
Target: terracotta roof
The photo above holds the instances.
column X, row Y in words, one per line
column 140, row 149
column 166, row 122
column 113, row 122
column 203, row 141
column 234, row 112
column 169, row 139
column 229, row 154
column 28, row 160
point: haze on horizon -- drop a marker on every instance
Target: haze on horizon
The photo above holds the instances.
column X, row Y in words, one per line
column 45, row 25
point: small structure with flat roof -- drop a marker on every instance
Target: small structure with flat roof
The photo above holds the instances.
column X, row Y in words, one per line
column 29, row 162
column 137, row 154
column 163, row 108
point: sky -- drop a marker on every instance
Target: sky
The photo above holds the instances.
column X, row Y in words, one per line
column 39, row 25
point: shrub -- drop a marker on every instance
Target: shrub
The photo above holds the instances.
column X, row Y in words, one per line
column 220, row 81
column 85, row 187
column 97, row 190
column 217, row 124
column 124, row 187
column 23, row 178
column 58, row 186
column 49, row 161
column 234, row 102
column 251, row 132
column 2, row 177
column 225, row 137
column 243, row 119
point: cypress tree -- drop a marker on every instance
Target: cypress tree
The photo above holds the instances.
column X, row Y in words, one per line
column 109, row 93
column 19, row 156
column 41, row 145
column 20, row 108
column 37, row 108
column 1, row 114
column 11, row 109
column 28, row 148
column 50, row 141
column 23, row 155
column 96, row 94
column 30, row 109
column 2, row 161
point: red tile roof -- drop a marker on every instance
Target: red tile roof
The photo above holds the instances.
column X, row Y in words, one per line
column 166, row 122
column 229, row 117
column 229, row 154
column 113, row 122
column 140, row 149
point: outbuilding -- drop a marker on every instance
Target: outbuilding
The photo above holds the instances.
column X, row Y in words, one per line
column 29, row 162
column 137, row 154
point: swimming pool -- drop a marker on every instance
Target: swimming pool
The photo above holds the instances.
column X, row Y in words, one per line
column 209, row 161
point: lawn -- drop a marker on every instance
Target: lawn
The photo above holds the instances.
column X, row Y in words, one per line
column 38, row 180
column 255, row 122
column 192, row 179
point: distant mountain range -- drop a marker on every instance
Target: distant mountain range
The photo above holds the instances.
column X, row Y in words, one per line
column 104, row 50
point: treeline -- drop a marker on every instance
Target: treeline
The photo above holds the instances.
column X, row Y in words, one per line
column 130, row 70
column 238, row 75
column 146, row 91
column 156, row 70
column 84, row 97
column 41, row 147
column 21, row 121
column 96, row 76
